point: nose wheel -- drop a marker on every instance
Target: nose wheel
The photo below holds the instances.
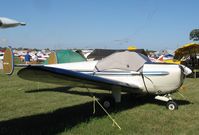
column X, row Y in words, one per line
column 171, row 105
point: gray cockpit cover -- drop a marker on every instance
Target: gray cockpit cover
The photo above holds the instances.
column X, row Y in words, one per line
column 126, row 60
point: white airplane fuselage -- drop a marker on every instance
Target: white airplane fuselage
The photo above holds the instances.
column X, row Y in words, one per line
column 157, row 79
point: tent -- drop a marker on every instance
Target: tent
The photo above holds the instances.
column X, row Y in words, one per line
column 99, row 54
column 66, row 56
column 187, row 50
column 126, row 60
column 188, row 54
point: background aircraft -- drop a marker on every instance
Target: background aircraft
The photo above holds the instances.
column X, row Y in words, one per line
column 7, row 23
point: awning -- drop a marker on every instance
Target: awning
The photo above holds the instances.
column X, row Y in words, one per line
column 188, row 49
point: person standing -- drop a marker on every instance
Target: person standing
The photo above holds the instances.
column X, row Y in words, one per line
column 27, row 58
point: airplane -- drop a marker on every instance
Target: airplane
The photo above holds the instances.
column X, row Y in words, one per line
column 7, row 23
column 125, row 71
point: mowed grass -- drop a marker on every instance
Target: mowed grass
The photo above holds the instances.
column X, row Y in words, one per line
column 37, row 108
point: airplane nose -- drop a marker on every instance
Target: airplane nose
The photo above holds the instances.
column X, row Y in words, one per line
column 22, row 23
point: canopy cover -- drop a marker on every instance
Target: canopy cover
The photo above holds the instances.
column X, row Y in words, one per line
column 126, row 60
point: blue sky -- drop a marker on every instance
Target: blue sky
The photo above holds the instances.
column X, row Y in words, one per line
column 56, row 24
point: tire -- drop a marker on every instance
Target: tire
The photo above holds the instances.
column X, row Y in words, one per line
column 171, row 105
column 108, row 102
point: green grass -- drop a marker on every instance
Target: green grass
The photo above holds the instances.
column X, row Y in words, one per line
column 38, row 108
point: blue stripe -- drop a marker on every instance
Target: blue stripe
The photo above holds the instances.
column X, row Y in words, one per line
column 156, row 73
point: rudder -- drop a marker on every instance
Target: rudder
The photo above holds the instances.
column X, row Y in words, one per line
column 52, row 58
column 8, row 61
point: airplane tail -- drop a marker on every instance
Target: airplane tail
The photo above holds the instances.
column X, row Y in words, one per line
column 8, row 61
column 52, row 58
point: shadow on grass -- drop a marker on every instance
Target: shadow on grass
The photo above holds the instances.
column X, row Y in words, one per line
column 64, row 119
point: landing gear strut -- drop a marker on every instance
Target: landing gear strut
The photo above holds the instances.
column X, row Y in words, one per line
column 109, row 102
column 171, row 105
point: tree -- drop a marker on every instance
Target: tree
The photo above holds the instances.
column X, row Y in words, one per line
column 194, row 35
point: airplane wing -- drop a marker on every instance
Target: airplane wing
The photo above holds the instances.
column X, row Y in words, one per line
column 69, row 78
column 54, row 75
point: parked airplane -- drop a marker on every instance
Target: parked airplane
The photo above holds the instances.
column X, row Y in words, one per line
column 125, row 71
column 7, row 23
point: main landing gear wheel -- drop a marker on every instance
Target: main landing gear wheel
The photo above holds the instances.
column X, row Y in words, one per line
column 171, row 105
column 108, row 102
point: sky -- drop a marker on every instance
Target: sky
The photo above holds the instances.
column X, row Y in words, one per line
column 111, row 24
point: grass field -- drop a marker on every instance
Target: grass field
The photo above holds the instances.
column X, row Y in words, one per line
column 37, row 108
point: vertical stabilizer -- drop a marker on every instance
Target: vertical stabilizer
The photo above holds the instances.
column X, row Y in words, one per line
column 8, row 61
column 52, row 58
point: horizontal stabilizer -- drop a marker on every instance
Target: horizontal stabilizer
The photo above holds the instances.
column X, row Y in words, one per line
column 8, row 61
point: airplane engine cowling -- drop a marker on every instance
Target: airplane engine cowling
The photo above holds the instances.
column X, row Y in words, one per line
column 163, row 78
